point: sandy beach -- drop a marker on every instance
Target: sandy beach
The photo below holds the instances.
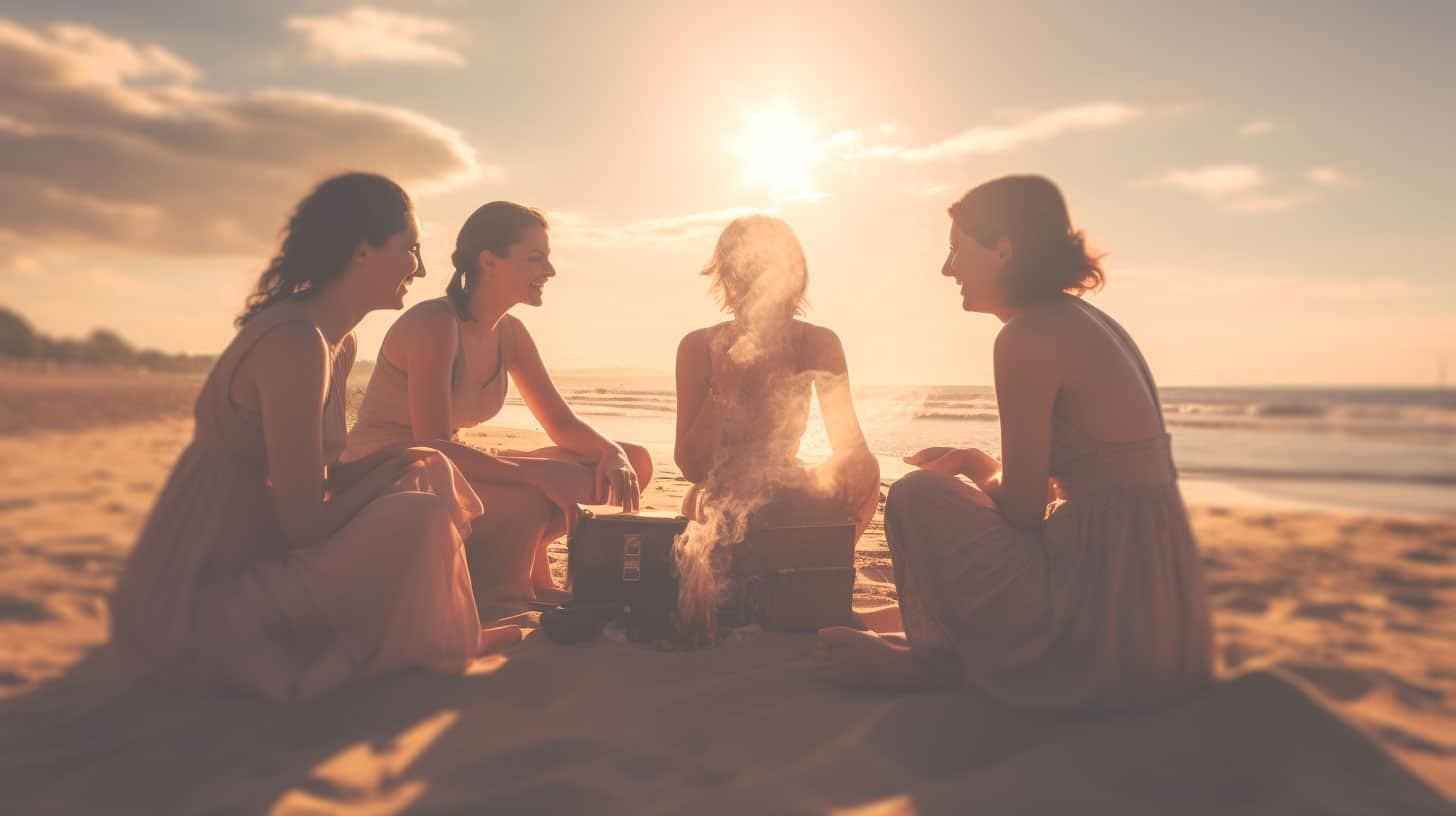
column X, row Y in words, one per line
column 1335, row 637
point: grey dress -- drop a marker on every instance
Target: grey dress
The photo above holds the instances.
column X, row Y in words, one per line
column 1105, row 606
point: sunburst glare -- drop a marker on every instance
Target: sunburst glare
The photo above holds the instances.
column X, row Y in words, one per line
column 777, row 149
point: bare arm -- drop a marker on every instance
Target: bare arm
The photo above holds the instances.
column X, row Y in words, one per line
column 701, row 408
column 615, row 479
column 430, row 342
column 1028, row 375
column 289, row 371
column 831, row 381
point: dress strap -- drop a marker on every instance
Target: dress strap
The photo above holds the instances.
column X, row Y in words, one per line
column 252, row 333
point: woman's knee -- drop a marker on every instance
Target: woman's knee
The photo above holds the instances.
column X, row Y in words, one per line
column 641, row 462
column 913, row 490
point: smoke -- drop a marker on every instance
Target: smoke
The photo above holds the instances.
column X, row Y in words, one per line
column 760, row 275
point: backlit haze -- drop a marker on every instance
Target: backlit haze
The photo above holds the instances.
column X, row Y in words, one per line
column 1273, row 185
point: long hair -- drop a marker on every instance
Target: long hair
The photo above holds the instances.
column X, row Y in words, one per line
column 495, row 226
column 758, row 268
column 1048, row 256
column 321, row 236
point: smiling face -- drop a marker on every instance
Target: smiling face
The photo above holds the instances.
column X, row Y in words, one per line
column 977, row 269
column 387, row 270
column 519, row 276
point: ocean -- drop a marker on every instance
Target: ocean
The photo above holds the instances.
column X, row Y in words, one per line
column 1359, row 450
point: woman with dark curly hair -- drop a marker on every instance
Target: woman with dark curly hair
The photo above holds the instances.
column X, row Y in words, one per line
column 267, row 566
column 1064, row 575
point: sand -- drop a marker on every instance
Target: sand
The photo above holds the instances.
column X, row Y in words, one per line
column 1335, row 637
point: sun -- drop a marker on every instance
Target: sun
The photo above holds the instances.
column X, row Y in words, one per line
column 777, row 149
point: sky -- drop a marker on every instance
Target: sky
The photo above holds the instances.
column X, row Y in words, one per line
column 1271, row 182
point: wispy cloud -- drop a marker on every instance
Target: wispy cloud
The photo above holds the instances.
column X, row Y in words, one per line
column 577, row 229
column 1259, row 127
column 366, row 34
column 985, row 139
column 993, row 139
column 108, row 142
column 1268, row 203
column 1328, row 175
column 1243, row 187
column 1215, row 181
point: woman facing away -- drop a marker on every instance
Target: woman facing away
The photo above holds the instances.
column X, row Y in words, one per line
column 1082, row 592
column 446, row 364
column 744, row 386
column 266, row 566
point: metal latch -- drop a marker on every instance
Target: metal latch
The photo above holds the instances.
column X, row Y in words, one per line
column 632, row 557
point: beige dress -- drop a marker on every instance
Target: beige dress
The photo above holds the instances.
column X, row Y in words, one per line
column 1104, row 607
column 213, row 594
column 384, row 415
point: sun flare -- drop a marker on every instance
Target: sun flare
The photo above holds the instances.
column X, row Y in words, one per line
column 777, row 149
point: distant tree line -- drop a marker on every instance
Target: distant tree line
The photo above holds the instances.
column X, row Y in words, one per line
column 18, row 339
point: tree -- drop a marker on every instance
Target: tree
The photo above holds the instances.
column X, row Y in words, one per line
column 17, row 338
column 108, row 347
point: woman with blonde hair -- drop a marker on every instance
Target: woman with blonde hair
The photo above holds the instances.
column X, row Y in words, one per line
column 744, row 386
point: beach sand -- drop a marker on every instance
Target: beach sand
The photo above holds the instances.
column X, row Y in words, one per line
column 1335, row 637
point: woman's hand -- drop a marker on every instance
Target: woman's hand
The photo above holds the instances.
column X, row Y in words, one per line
column 941, row 459
column 616, row 480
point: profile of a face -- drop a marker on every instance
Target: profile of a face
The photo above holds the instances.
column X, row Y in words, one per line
column 520, row 275
column 386, row 271
column 977, row 269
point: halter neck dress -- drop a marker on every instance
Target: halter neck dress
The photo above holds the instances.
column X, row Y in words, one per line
column 384, row 415
column 1104, row 607
column 213, row 594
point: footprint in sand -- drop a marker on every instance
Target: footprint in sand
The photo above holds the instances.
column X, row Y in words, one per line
column 1423, row 556
column 23, row 611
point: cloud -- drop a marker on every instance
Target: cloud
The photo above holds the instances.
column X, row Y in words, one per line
column 1242, row 188
column 576, row 229
column 111, row 143
column 1259, row 127
column 985, row 139
column 1328, row 175
column 1215, row 181
column 366, row 34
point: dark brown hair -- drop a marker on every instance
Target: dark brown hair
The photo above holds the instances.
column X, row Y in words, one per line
column 322, row 234
column 1047, row 255
column 496, row 226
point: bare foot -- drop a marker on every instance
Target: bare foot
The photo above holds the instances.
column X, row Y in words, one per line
column 496, row 638
column 849, row 657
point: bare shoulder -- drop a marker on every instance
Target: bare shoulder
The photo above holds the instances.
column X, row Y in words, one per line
column 818, row 337
column 822, row 347
column 1040, row 327
column 513, row 327
column 428, row 324
column 699, row 339
column 292, row 354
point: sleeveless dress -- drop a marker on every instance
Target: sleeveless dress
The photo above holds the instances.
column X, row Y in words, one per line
column 1104, row 607
column 214, row 595
column 384, row 417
